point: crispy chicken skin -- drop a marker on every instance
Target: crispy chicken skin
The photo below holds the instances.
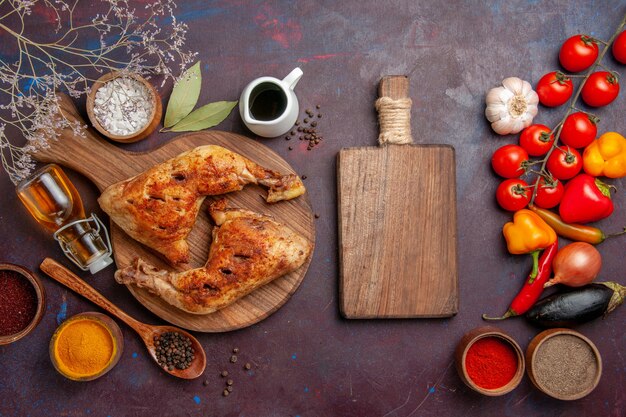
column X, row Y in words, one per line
column 248, row 250
column 159, row 206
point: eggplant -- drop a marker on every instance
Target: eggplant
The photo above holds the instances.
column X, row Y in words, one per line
column 577, row 306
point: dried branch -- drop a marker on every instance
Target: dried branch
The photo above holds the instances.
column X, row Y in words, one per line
column 117, row 38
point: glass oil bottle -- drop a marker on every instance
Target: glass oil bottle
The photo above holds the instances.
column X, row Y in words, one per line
column 54, row 202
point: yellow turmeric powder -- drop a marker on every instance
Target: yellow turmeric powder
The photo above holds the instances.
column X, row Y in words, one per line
column 83, row 348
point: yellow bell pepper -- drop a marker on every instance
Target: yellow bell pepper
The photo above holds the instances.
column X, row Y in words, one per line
column 528, row 233
column 606, row 156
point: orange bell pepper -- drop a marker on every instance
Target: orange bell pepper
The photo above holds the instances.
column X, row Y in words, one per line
column 528, row 233
column 606, row 156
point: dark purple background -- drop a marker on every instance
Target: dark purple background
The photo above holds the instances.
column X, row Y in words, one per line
column 307, row 360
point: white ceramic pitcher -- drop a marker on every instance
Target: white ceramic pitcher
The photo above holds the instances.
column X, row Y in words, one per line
column 269, row 106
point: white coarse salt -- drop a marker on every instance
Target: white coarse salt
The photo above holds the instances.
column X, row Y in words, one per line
column 123, row 106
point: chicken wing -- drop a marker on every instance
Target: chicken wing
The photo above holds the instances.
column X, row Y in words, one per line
column 248, row 250
column 159, row 206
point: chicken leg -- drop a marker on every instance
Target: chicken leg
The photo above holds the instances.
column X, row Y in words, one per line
column 159, row 206
column 248, row 250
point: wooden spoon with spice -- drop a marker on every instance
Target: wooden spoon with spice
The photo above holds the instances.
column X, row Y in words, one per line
column 149, row 334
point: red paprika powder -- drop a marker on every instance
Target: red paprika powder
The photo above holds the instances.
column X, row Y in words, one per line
column 491, row 362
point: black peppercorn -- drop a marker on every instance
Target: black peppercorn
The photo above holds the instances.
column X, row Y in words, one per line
column 174, row 351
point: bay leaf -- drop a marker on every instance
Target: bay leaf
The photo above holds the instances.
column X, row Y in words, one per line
column 204, row 117
column 184, row 96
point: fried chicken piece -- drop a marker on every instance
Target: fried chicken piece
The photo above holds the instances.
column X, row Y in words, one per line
column 159, row 206
column 248, row 250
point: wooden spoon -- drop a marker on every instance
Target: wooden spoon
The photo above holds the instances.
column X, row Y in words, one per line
column 147, row 332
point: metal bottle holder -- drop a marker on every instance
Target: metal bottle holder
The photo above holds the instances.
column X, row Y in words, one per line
column 95, row 234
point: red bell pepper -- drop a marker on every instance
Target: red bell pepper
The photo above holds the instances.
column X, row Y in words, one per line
column 585, row 199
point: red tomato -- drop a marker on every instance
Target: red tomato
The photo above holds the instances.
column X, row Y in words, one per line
column 579, row 130
column 601, row 88
column 564, row 163
column 549, row 194
column 512, row 195
column 536, row 139
column 554, row 89
column 619, row 47
column 508, row 161
column 578, row 53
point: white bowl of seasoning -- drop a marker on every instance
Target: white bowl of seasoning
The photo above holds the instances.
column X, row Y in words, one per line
column 563, row 364
column 124, row 107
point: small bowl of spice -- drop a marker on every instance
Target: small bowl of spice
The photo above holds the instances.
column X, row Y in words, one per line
column 124, row 107
column 563, row 364
column 489, row 361
column 22, row 302
column 86, row 346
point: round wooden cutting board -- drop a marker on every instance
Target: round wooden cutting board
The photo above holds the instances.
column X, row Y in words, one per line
column 106, row 164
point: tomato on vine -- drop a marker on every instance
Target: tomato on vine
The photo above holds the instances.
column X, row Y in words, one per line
column 509, row 161
column 619, row 47
column 579, row 130
column 513, row 194
column 578, row 53
column 600, row 89
column 564, row 163
column 536, row 139
column 549, row 193
column 554, row 89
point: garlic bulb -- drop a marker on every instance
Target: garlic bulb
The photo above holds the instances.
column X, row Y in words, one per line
column 511, row 108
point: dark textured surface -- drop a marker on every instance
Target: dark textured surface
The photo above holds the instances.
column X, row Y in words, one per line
column 306, row 360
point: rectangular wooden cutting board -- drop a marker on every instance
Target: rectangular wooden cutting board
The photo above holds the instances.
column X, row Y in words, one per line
column 397, row 227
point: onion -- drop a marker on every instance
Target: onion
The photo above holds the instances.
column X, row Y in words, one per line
column 575, row 265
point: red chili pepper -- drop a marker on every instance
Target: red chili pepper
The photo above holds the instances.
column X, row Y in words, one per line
column 585, row 199
column 533, row 287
